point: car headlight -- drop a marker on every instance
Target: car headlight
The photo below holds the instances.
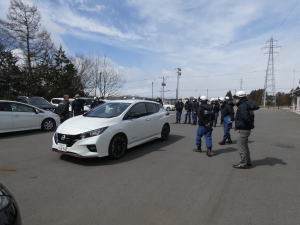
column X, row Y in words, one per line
column 93, row 133
column 5, row 201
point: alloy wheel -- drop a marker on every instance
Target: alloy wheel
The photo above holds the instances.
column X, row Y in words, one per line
column 118, row 147
column 48, row 125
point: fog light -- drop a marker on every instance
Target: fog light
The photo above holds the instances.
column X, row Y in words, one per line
column 92, row 148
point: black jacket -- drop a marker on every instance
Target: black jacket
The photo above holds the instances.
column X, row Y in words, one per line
column 63, row 109
column 205, row 114
column 160, row 101
column 188, row 106
column 227, row 109
column 243, row 119
column 195, row 106
column 216, row 106
column 179, row 106
column 94, row 103
column 78, row 105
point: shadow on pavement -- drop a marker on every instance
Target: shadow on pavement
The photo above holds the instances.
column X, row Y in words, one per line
column 268, row 161
column 131, row 154
column 221, row 151
column 24, row 133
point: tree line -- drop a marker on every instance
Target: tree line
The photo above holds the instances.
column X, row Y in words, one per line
column 31, row 65
column 258, row 97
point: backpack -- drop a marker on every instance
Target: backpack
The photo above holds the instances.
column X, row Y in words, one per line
column 252, row 106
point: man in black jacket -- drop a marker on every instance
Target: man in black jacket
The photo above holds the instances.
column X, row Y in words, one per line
column 188, row 108
column 227, row 113
column 63, row 109
column 194, row 110
column 216, row 107
column 95, row 102
column 77, row 106
column 179, row 107
column 244, row 123
column 160, row 101
column 206, row 118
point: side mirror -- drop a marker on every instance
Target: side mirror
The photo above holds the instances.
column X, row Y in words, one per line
column 135, row 116
column 36, row 111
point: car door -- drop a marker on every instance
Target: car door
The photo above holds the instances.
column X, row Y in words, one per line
column 138, row 127
column 6, row 117
column 154, row 118
column 24, row 116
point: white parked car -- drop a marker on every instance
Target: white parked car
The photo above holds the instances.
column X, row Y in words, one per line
column 17, row 116
column 168, row 107
column 111, row 128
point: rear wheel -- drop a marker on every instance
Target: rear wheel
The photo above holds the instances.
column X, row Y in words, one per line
column 165, row 133
column 168, row 109
column 48, row 124
column 117, row 146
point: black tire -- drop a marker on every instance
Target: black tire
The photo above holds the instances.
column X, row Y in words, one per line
column 168, row 109
column 117, row 146
column 48, row 124
column 165, row 132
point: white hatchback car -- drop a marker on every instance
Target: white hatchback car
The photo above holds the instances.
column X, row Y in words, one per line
column 16, row 116
column 112, row 128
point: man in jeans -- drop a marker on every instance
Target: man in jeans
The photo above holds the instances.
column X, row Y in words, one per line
column 63, row 109
column 179, row 107
column 243, row 124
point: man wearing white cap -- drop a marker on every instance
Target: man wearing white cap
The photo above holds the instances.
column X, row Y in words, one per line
column 244, row 123
column 206, row 118
column 227, row 117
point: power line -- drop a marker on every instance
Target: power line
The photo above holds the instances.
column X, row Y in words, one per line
column 285, row 18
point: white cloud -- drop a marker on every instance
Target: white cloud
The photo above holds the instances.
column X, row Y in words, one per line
column 96, row 8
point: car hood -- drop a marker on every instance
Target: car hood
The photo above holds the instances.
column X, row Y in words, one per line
column 80, row 124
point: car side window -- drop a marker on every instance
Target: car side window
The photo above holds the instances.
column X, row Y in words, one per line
column 139, row 109
column 20, row 108
column 4, row 107
column 159, row 106
column 151, row 108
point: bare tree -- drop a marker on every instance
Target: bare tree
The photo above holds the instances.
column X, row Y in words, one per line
column 84, row 67
column 107, row 78
column 24, row 26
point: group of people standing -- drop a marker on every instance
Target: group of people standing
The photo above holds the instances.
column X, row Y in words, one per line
column 207, row 117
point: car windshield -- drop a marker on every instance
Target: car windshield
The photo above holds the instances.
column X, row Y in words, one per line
column 38, row 101
column 108, row 110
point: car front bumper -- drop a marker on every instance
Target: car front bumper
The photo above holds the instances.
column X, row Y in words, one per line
column 79, row 148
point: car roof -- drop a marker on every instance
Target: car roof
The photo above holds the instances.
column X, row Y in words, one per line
column 9, row 101
column 131, row 101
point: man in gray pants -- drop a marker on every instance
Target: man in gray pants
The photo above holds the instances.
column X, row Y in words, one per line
column 243, row 123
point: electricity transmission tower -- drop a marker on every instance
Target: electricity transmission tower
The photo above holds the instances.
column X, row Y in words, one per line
column 241, row 84
column 270, row 75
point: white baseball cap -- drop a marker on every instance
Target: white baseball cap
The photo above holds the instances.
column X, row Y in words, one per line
column 203, row 98
column 240, row 94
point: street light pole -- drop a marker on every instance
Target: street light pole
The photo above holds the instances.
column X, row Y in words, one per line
column 178, row 70
column 152, row 90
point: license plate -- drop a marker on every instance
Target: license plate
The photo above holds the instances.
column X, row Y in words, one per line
column 62, row 147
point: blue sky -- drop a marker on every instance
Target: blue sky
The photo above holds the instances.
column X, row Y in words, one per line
column 207, row 39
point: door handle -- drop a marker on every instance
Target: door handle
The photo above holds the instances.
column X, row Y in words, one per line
column 147, row 119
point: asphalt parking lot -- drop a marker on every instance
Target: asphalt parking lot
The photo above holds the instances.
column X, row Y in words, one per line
column 160, row 182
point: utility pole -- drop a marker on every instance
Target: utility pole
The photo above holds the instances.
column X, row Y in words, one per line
column 241, row 84
column 265, row 88
column 270, row 76
column 152, row 90
column 178, row 70
column 163, row 84
column 293, row 83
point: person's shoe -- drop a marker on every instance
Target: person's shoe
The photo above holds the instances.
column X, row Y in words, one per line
column 222, row 142
column 184, row 122
column 198, row 149
column 215, row 125
column 189, row 122
column 249, row 164
column 229, row 141
column 208, row 152
column 176, row 121
column 238, row 166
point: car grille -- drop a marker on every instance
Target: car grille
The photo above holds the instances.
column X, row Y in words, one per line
column 69, row 140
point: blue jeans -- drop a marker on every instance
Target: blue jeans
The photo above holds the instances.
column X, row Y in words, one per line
column 227, row 128
column 206, row 131
column 216, row 117
column 77, row 113
column 188, row 115
column 178, row 115
column 194, row 117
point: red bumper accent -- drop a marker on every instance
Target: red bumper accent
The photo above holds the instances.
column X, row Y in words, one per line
column 73, row 154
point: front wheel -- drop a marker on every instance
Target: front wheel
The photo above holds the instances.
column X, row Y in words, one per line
column 48, row 124
column 117, row 147
column 165, row 133
column 168, row 109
